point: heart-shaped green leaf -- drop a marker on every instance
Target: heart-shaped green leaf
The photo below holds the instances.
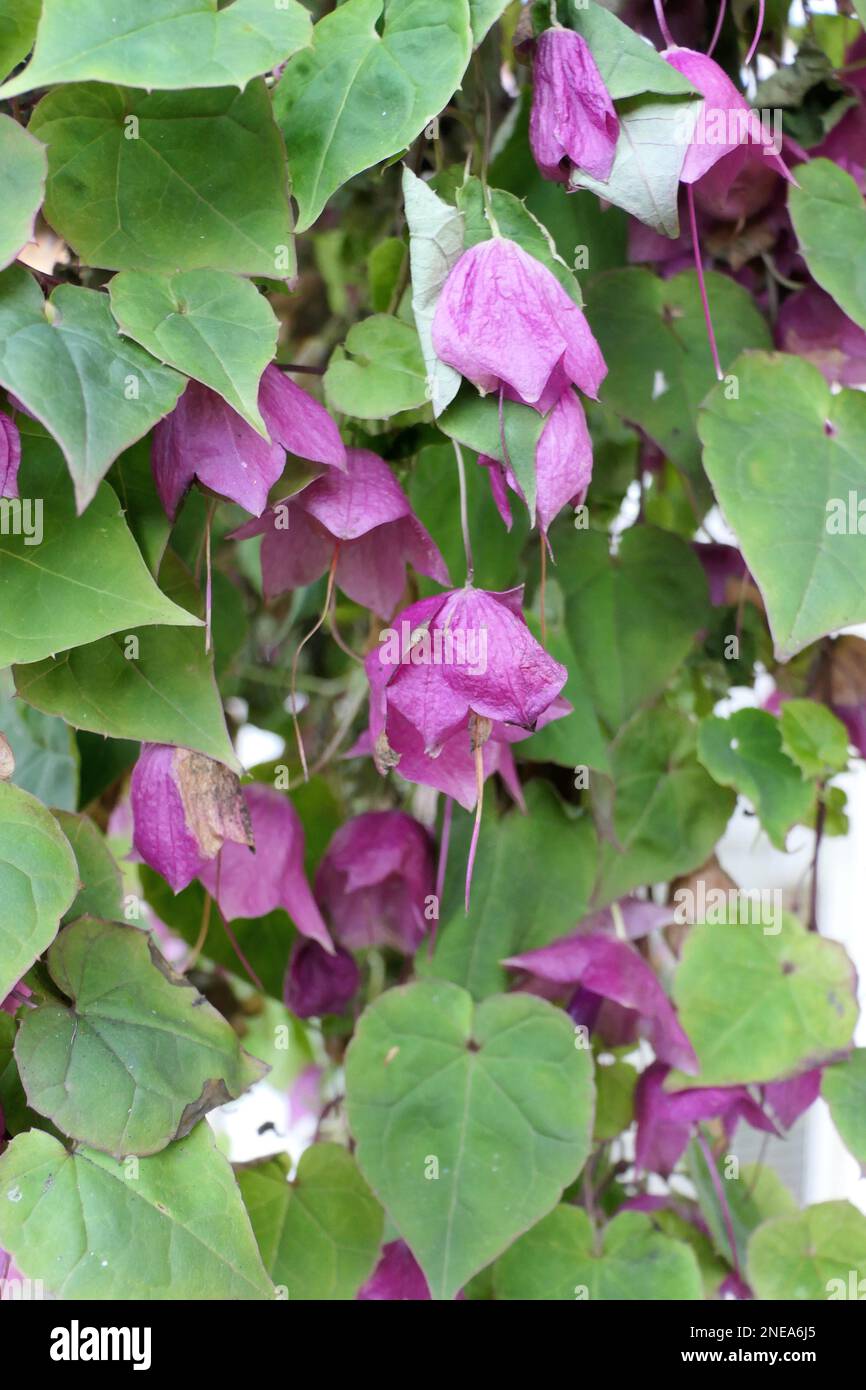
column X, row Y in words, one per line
column 319, row 1235
column 161, row 43
column 383, row 374
column 208, row 324
column 760, row 1003
column 745, row 752
column 84, row 579
column 169, row 1227
column 170, row 181
column 23, row 166
column 793, row 522
column 65, row 361
column 138, row 1056
column 561, row 1260
column 818, row 1254
column 469, row 1121
column 366, row 88
column 101, row 893
column 843, row 1086
column 829, row 217
column 18, row 21
column 38, row 881
column 654, row 338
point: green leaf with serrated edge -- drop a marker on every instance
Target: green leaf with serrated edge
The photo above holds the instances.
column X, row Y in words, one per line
column 170, row 181
column 381, row 371
column 101, row 894
column 161, row 43
column 753, row 1196
column 319, row 1235
column 633, row 617
column 373, row 79
column 561, row 1259
column 745, row 752
column 762, row 1002
column 653, row 335
column 138, row 1056
column 813, row 737
column 475, row 420
column 793, row 524
column 498, row 1096
column 514, row 221
column 38, row 881
column 817, row 1255
column 46, row 758
column 208, row 324
column 83, row 1225
column 266, row 942
column 94, row 391
column 654, row 134
column 829, row 218
column 543, row 858
column 843, row 1087
column 435, row 245
column 23, row 167
column 667, row 812
column 154, row 684
column 18, row 21
column 627, row 63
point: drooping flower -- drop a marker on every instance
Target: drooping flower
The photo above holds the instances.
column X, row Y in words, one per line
column 318, row 982
column 204, row 439
column 373, row 881
column 563, row 465
column 245, row 884
column 726, row 572
column 505, row 322
column 10, row 457
column 184, row 806
column 367, row 514
column 666, row 1120
column 613, row 969
column 573, row 123
column 811, row 325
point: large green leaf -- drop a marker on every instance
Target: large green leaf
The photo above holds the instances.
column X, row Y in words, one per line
column 654, row 339
column 632, row 617
column 816, row 1255
column 469, row 1122
column 760, row 1004
column 18, row 21
column 435, row 245
column 46, row 758
column 829, row 217
column 792, row 520
column 96, row 392
column 154, row 684
column 161, row 43
column 174, row 1227
column 843, row 1086
column 168, row 181
column 101, row 892
column 745, row 752
column 319, row 1235
column 654, row 135
column 138, row 1056
column 23, row 166
column 667, row 812
column 85, row 579
column 369, row 85
column 38, row 881
column 475, row 421
column 381, row 371
column 628, row 65
column 542, row 857
column 561, row 1259
column 208, row 324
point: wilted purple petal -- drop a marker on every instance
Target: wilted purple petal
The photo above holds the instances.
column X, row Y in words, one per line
column 297, row 421
column 616, row 970
column 10, row 457
column 787, row 1100
column 572, row 114
column 666, row 1120
column 725, row 121
column 319, row 982
column 637, row 917
column 374, row 879
column 725, row 569
column 811, row 325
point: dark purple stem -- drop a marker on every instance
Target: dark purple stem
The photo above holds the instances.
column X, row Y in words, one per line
column 718, row 29
column 663, row 24
column 760, row 29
